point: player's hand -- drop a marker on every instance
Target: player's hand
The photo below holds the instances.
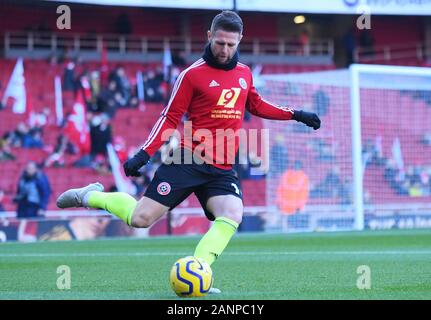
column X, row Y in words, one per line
column 309, row 118
column 132, row 166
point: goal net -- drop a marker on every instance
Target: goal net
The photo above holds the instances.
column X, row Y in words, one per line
column 368, row 166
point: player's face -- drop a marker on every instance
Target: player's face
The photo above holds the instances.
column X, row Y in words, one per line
column 224, row 44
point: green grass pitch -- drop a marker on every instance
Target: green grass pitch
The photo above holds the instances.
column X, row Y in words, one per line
column 254, row 266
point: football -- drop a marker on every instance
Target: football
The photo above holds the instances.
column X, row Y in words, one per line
column 191, row 277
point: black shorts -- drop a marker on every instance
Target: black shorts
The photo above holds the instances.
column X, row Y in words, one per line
column 173, row 183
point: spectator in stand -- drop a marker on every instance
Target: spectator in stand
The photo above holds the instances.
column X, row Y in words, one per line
column 279, row 155
column 134, row 99
column 95, row 85
column 320, row 102
column 152, row 85
column 123, row 84
column 413, row 175
column 63, row 147
column 396, row 179
column 106, row 98
column 372, row 152
column 5, row 148
column 323, row 150
column 415, row 190
column 18, row 135
column 425, row 181
column 33, row 192
column 391, row 170
column 330, row 187
column 69, row 82
column 110, row 100
column 426, row 139
column 428, row 171
column 34, row 140
column 179, row 59
column 100, row 134
column 26, row 137
column 345, row 192
column 134, row 102
column 85, row 87
column 2, row 209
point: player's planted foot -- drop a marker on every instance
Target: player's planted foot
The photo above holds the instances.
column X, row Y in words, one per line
column 214, row 291
column 74, row 197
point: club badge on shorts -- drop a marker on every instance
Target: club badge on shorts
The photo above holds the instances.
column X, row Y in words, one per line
column 164, row 188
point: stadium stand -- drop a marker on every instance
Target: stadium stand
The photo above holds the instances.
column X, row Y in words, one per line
column 131, row 124
column 134, row 124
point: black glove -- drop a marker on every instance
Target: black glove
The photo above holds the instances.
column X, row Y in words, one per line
column 132, row 166
column 309, row 118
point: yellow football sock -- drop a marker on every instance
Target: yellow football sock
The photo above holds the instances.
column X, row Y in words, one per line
column 216, row 239
column 119, row 204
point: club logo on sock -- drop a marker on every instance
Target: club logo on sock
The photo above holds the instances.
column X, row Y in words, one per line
column 164, row 188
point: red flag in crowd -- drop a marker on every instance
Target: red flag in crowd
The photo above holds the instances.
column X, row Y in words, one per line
column 77, row 128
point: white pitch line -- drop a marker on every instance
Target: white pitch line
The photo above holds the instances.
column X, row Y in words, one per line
column 247, row 253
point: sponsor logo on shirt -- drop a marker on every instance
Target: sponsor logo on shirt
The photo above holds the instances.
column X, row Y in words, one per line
column 229, row 97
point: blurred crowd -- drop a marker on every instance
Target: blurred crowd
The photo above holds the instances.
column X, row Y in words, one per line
column 104, row 93
column 414, row 181
column 407, row 180
column 101, row 98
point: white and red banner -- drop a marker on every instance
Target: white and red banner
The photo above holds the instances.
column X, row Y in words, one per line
column 16, row 89
column 122, row 183
column 58, row 100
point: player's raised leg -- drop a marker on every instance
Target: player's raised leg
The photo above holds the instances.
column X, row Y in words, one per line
column 228, row 211
column 139, row 214
column 146, row 212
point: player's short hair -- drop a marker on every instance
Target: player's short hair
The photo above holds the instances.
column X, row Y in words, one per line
column 227, row 21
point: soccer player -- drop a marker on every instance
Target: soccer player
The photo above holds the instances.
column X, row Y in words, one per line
column 215, row 91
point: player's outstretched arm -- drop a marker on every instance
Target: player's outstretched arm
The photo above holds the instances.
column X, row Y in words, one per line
column 169, row 118
column 265, row 109
column 309, row 118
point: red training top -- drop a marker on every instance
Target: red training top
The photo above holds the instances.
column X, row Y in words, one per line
column 215, row 100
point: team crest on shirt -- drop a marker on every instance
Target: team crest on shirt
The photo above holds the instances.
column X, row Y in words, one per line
column 243, row 83
column 164, row 188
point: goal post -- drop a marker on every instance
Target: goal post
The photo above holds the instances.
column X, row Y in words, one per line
column 369, row 166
